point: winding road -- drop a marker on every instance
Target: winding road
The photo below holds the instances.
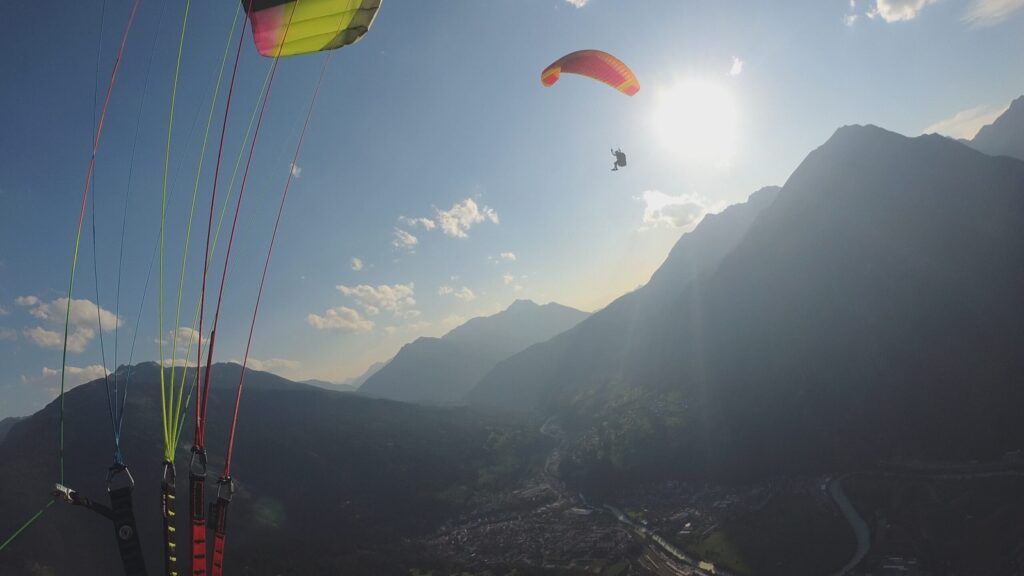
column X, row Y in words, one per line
column 857, row 524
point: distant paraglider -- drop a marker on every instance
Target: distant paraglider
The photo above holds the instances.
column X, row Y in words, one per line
column 620, row 159
column 595, row 64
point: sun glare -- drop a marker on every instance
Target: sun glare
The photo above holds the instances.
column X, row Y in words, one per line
column 695, row 120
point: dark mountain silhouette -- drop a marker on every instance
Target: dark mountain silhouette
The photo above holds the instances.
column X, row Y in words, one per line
column 442, row 370
column 328, row 482
column 1005, row 136
column 871, row 311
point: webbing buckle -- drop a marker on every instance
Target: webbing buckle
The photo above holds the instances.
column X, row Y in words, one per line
column 225, row 488
column 119, row 473
column 197, row 463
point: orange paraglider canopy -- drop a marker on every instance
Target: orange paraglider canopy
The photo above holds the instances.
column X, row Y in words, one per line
column 600, row 66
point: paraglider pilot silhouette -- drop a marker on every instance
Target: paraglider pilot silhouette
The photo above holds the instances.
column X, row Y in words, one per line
column 620, row 159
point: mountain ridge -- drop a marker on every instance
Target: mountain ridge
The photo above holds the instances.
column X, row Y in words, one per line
column 801, row 349
column 442, row 370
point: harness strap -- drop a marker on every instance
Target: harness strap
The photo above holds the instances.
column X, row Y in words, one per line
column 127, row 532
column 219, row 515
column 168, row 500
column 197, row 506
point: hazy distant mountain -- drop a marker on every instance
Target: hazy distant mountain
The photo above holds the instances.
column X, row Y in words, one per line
column 1005, row 136
column 328, row 483
column 348, row 384
column 871, row 311
column 595, row 347
column 6, row 424
column 340, row 387
column 442, row 370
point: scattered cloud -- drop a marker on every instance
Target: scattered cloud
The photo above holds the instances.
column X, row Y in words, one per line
column 357, row 264
column 404, row 241
column 411, row 327
column 898, row 10
column 185, row 336
column 296, row 171
column 394, row 298
column 75, row 377
column 455, row 222
column 78, row 339
column 425, row 223
column 850, row 19
column 3, row 311
column 966, row 123
column 26, row 301
column 663, row 210
column 8, row 334
column 510, row 280
column 340, row 319
column 464, row 293
column 462, row 216
column 275, row 365
column 454, row 320
column 578, row 3
column 188, row 362
column 509, row 256
column 82, row 312
column 737, row 67
column 982, row 13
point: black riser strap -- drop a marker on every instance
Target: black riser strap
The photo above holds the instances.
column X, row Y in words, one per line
column 168, row 499
column 127, row 532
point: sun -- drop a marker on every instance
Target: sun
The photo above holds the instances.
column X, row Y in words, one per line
column 695, row 120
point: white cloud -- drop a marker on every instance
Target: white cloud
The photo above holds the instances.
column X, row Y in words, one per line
column 26, row 301
column 394, row 298
column 188, row 362
column 404, row 241
column 3, row 311
column 78, row 338
column 510, row 256
column 185, row 336
column 340, row 319
column 990, row 12
column 661, row 209
column 274, row 365
column 850, row 19
column 8, row 334
column 425, row 223
column 411, row 327
column 462, row 216
column 75, row 375
column 578, row 3
column 83, row 313
column 508, row 279
column 454, row 320
column 464, row 293
column 737, row 67
column 966, row 123
column 357, row 264
column 296, row 171
column 898, row 10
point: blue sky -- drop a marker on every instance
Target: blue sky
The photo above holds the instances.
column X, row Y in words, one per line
column 436, row 127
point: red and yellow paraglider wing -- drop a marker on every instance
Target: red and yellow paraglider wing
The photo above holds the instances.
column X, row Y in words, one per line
column 310, row 25
column 600, row 66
